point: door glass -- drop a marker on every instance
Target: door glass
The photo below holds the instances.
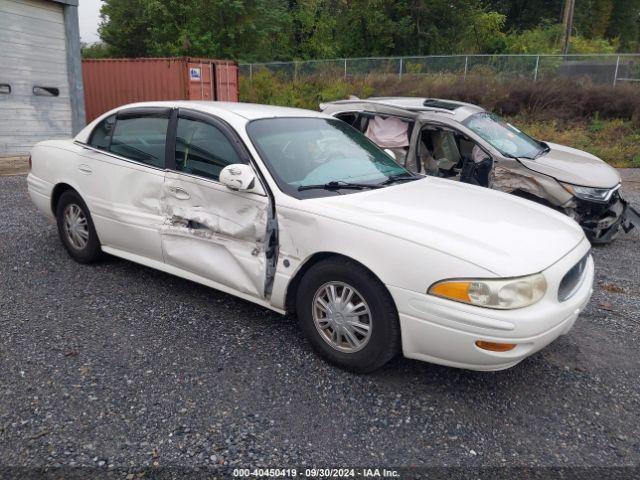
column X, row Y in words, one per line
column 202, row 149
column 141, row 139
column 101, row 134
column 349, row 117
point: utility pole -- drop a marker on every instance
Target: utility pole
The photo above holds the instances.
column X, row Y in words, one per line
column 567, row 21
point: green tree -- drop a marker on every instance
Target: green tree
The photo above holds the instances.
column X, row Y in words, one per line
column 253, row 29
column 437, row 26
column 485, row 34
column 95, row 50
column 313, row 28
column 625, row 24
column 527, row 14
column 592, row 17
column 124, row 27
column 262, row 30
column 371, row 27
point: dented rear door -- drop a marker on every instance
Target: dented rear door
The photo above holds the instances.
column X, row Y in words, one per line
column 121, row 175
column 208, row 229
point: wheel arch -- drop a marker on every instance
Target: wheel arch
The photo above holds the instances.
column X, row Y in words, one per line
column 294, row 283
column 57, row 192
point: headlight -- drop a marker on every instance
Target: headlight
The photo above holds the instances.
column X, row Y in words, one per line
column 589, row 193
column 501, row 294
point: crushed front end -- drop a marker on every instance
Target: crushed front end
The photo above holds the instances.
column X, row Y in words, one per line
column 601, row 213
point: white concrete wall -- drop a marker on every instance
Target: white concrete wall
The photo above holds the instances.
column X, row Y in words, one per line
column 32, row 52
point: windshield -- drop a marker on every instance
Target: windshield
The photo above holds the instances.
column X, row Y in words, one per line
column 503, row 136
column 303, row 152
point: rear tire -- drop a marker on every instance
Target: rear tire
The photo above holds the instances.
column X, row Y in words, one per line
column 76, row 230
column 348, row 315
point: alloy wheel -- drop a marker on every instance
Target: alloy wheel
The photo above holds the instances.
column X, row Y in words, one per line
column 76, row 227
column 342, row 317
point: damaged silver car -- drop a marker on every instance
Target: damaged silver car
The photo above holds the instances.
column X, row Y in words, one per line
column 464, row 142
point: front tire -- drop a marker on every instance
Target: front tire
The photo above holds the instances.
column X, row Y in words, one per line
column 348, row 315
column 76, row 230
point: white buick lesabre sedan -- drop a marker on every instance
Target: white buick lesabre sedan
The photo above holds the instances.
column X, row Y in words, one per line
column 299, row 212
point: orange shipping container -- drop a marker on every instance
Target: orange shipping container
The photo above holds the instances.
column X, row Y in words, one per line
column 109, row 83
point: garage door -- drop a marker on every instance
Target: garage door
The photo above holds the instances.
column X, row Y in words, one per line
column 34, row 89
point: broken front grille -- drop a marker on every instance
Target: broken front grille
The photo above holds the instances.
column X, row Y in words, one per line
column 572, row 280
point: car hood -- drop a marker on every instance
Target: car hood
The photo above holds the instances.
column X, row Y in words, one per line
column 503, row 234
column 574, row 166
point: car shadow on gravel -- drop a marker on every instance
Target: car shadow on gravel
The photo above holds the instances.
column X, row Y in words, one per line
column 280, row 334
column 563, row 354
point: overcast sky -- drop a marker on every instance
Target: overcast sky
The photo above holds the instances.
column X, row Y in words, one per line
column 88, row 12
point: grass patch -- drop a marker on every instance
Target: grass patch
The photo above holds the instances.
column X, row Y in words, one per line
column 600, row 119
column 617, row 141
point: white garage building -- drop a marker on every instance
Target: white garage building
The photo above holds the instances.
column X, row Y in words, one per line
column 41, row 94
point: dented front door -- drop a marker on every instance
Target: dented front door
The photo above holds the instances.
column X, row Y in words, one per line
column 208, row 229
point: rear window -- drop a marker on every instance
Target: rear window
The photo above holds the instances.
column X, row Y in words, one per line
column 102, row 133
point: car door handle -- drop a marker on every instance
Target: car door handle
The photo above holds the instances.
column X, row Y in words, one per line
column 179, row 193
column 84, row 168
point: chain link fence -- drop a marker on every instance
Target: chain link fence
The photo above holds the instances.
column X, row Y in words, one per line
column 603, row 69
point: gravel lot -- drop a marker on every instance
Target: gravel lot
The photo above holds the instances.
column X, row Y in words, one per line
column 117, row 365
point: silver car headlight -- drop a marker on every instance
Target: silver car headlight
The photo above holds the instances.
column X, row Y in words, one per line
column 590, row 194
column 503, row 294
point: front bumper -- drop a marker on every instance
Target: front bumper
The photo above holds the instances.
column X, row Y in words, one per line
column 444, row 332
column 630, row 218
column 601, row 222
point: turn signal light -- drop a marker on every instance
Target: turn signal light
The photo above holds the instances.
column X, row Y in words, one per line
column 495, row 347
column 452, row 290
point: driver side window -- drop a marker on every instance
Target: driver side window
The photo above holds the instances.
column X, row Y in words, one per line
column 448, row 153
column 202, row 149
column 439, row 152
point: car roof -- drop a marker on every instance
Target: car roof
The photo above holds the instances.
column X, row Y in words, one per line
column 460, row 110
column 249, row 111
column 236, row 113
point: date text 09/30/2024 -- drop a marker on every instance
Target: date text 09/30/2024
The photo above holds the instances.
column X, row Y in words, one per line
column 316, row 472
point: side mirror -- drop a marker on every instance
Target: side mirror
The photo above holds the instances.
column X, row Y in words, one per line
column 240, row 177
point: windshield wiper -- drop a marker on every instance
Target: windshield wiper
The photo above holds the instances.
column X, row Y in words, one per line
column 399, row 177
column 337, row 185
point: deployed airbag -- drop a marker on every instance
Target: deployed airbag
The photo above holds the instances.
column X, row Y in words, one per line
column 389, row 132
